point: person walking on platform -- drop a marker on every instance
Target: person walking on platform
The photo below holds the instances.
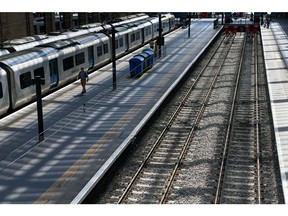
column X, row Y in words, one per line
column 151, row 43
column 83, row 76
column 268, row 20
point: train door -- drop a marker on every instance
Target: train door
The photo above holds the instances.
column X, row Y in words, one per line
column 127, row 41
column 54, row 76
column 90, row 57
column 143, row 35
column 7, row 86
column 170, row 24
column 5, row 95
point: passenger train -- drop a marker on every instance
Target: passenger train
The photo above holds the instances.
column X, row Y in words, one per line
column 59, row 62
column 28, row 42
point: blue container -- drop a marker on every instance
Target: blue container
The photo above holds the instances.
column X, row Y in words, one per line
column 146, row 60
column 150, row 53
column 141, row 62
column 136, row 65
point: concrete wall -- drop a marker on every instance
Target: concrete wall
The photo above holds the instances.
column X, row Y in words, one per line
column 15, row 25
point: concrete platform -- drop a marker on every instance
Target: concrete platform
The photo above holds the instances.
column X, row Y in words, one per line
column 275, row 45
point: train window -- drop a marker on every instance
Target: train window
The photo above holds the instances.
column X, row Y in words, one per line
column 105, row 48
column 25, row 80
column 99, row 51
column 80, row 58
column 137, row 35
column 148, row 31
column 116, row 44
column 1, row 90
column 121, row 44
column 39, row 72
column 132, row 37
column 68, row 63
column 157, row 27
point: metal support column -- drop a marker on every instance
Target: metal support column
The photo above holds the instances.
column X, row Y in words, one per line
column 189, row 25
column 113, row 57
column 38, row 81
column 160, row 36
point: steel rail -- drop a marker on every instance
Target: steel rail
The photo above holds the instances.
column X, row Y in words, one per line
column 229, row 130
column 257, row 119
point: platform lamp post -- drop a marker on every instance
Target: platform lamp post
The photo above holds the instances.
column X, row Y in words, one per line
column 189, row 18
column 38, row 81
column 113, row 57
column 160, row 39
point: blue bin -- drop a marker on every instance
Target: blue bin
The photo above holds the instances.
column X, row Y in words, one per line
column 150, row 53
column 136, row 65
column 146, row 60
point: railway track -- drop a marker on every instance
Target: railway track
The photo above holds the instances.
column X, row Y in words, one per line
column 239, row 175
column 240, row 179
column 179, row 162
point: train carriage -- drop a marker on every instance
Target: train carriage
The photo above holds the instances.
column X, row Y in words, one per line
column 131, row 36
column 168, row 23
column 4, row 94
column 87, row 51
column 171, row 22
column 146, row 30
column 65, row 61
column 121, row 45
column 135, row 37
column 155, row 27
column 21, row 68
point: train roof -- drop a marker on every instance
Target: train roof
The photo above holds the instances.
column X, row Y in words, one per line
column 91, row 25
column 92, row 37
column 24, row 43
column 2, row 73
column 142, row 23
column 61, row 44
column 134, row 18
column 3, row 52
column 22, row 58
column 24, row 40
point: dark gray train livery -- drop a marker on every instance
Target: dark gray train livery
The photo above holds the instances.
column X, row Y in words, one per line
column 59, row 62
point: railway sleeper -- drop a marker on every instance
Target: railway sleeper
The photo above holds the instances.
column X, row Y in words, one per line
column 154, row 179
column 237, row 200
column 239, row 186
column 140, row 186
column 238, row 192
